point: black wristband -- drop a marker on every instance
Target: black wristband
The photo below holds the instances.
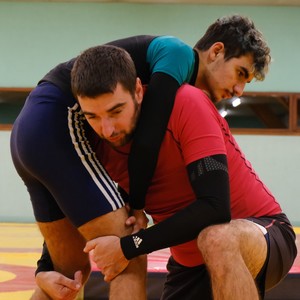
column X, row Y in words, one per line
column 132, row 245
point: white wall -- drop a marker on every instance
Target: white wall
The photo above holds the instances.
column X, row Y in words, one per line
column 275, row 158
column 14, row 200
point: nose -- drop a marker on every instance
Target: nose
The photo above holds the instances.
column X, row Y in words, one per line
column 107, row 128
column 238, row 89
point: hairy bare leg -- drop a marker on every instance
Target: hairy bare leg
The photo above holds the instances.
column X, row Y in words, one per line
column 131, row 283
column 234, row 254
column 65, row 244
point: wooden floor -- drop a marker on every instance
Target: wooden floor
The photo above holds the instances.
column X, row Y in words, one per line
column 20, row 247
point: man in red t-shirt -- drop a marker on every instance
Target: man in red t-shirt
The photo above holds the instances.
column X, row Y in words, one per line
column 208, row 204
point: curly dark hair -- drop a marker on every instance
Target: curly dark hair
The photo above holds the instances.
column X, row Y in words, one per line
column 240, row 37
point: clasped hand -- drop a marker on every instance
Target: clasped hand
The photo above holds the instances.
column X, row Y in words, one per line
column 107, row 252
column 57, row 285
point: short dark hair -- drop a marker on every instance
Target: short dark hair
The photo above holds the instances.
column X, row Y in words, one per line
column 240, row 37
column 99, row 69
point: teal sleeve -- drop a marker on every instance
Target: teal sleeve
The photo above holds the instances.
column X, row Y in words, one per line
column 169, row 55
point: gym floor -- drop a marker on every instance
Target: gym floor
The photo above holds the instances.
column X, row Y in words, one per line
column 20, row 247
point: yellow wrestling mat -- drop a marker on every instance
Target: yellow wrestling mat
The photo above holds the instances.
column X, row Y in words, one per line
column 20, row 248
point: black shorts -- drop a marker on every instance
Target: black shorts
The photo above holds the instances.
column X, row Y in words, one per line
column 193, row 283
column 282, row 249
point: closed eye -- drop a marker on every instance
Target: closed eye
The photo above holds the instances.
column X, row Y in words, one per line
column 243, row 73
column 117, row 109
column 116, row 112
column 89, row 115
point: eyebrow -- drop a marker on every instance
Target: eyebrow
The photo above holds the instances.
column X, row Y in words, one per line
column 87, row 113
column 118, row 105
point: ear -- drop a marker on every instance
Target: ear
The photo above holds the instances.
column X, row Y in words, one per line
column 139, row 90
column 216, row 50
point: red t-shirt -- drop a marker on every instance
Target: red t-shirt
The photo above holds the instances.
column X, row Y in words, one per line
column 195, row 130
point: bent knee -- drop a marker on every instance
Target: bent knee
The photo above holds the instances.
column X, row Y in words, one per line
column 112, row 223
column 215, row 237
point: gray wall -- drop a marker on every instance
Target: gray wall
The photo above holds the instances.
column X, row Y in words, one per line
column 36, row 36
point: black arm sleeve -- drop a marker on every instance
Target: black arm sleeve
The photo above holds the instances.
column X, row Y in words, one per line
column 44, row 264
column 210, row 182
column 156, row 109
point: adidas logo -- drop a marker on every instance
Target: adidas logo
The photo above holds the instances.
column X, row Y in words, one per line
column 137, row 241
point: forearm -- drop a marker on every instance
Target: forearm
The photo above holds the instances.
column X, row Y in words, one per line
column 156, row 110
column 180, row 228
column 211, row 207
